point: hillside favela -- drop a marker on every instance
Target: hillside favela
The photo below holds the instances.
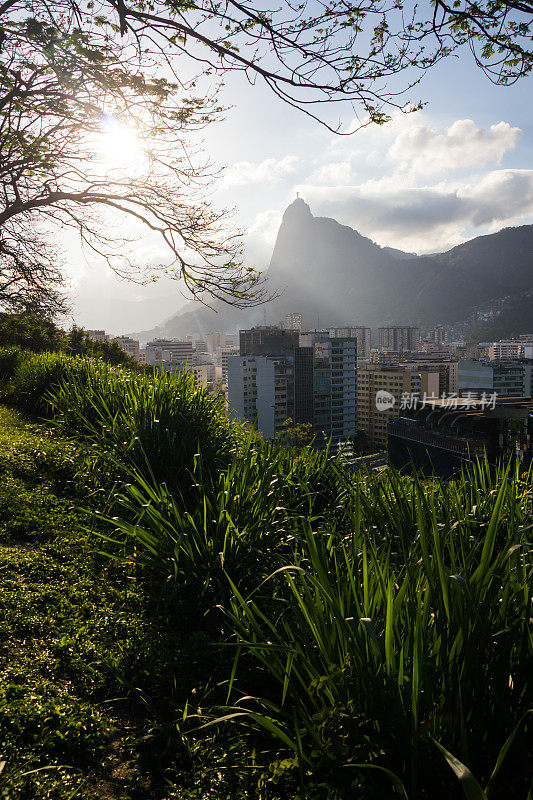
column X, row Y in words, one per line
column 266, row 400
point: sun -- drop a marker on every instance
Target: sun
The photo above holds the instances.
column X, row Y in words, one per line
column 119, row 147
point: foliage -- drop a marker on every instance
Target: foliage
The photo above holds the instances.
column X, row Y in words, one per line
column 63, row 89
column 320, row 634
column 310, row 55
column 39, row 334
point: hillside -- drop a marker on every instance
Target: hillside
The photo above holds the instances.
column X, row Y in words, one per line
column 516, row 318
column 189, row 611
column 322, row 267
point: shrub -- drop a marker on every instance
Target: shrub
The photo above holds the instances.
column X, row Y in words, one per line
column 10, row 358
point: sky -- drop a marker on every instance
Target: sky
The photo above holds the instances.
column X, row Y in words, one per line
column 422, row 183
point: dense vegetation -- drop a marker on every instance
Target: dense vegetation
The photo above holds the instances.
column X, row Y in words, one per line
column 203, row 614
column 36, row 333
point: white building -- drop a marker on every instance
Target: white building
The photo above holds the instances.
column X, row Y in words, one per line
column 170, row 354
column 242, row 387
column 227, row 352
column 130, row 346
column 293, row 322
column 506, row 349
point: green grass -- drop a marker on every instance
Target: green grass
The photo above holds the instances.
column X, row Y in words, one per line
column 259, row 622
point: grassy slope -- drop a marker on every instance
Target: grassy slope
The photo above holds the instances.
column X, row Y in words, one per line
column 71, row 629
column 91, row 667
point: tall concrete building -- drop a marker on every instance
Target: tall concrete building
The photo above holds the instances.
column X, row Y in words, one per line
column 401, row 338
column 358, row 332
column 275, row 394
column 261, row 391
column 314, row 383
column 267, row 341
column 293, row 322
column 325, row 386
column 227, row 352
column 381, row 390
column 242, row 387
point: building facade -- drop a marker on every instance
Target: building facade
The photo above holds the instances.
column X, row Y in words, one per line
column 358, row 332
column 393, row 385
column 130, row 346
column 293, row 322
column 170, row 354
column 401, row 338
column 267, row 341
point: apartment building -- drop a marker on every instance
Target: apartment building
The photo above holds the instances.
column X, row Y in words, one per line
column 275, row 394
column 399, row 337
column 313, row 384
column 261, row 391
column 400, row 383
column 130, row 346
column 506, row 349
column 293, row 322
column 242, row 387
column 170, row 354
column 358, row 332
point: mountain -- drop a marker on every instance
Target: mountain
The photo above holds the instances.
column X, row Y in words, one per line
column 515, row 318
column 321, row 267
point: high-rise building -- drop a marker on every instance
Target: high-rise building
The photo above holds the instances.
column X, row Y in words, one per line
column 438, row 335
column 267, row 341
column 399, row 337
column 261, row 391
column 312, row 384
column 242, row 387
column 293, row 322
column 215, row 341
column 381, row 390
column 226, row 353
column 275, row 394
column 325, row 370
column 362, row 334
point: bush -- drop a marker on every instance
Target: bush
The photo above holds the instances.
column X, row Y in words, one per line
column 10, row 359
column 154, row 422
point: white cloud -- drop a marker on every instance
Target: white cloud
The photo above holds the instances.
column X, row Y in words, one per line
column 461, row 145
column 425, row 218
column 271, row 170
column 335, row 172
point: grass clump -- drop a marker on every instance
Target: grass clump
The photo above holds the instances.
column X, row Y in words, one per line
column 320, row 634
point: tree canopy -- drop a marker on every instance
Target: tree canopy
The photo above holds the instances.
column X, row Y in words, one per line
column 68, row 69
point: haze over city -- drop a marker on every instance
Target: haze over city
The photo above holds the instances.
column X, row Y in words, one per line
column 423, row 182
